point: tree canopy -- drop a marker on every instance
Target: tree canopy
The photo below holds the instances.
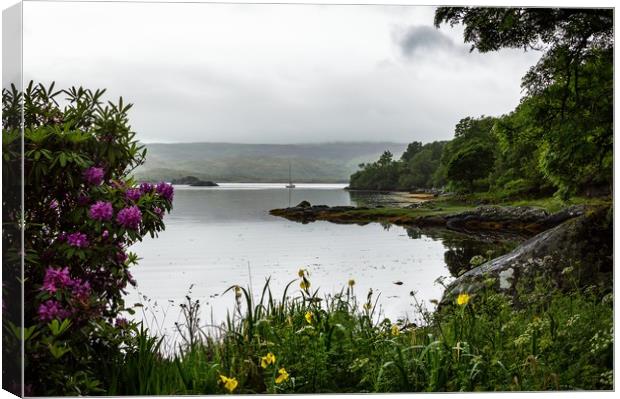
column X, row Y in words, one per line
column 560, row 137
column 568, row 105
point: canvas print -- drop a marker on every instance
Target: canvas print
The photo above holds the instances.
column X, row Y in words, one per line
column 220, row 198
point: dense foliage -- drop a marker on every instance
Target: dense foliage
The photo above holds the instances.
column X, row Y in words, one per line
column 307, row 344
column 82, row 211
column 415, row 169
column 560, row 137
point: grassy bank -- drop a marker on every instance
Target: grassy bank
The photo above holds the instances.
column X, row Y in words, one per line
column 301, row 342
column 550, row 204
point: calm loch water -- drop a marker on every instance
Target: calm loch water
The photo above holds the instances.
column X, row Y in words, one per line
column 216, row 237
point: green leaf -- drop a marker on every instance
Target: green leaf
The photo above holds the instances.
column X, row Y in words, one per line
column 57, row 327
column 57, row 351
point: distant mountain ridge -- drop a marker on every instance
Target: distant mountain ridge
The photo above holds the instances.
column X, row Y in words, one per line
column 231, row 162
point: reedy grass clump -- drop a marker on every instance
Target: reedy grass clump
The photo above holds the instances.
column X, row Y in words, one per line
column 308, row 344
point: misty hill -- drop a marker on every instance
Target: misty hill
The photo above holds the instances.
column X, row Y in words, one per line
column 228, row 162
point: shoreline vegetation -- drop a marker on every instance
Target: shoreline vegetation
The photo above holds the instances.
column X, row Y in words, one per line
column 338, row 343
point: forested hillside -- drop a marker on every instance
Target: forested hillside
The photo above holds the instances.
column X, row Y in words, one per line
column 230, row 162
column 560, row 137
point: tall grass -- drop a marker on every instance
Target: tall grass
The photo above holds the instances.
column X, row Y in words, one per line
column 339, row 344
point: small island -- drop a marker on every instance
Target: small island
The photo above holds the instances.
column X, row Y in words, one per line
column 194, row 182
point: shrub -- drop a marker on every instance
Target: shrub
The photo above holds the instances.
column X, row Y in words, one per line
column 82, row 211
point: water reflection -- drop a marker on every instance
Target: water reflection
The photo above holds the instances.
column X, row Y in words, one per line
column 217, row 237
column 461, row 248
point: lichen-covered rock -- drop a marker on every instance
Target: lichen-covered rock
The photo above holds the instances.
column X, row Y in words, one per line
column 578, row 251
column 510, row 218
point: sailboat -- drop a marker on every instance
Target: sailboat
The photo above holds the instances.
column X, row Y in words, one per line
column 290, row 179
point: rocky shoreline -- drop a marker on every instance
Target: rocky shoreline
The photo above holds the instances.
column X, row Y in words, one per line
column 577, row 252
column 524, row 220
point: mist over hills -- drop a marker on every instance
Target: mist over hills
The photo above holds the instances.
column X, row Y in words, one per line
column 231, row 162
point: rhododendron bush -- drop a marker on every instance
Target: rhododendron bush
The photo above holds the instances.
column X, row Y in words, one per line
column 82, row 211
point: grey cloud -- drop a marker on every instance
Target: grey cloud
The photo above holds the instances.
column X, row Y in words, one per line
column 417, row 38
column 209, row 80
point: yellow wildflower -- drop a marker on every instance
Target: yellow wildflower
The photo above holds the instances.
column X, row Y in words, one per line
column 301, row 272
column 282, row 376
column 462, row 299
column 229, row 383
column 309, row 317
column 268, row 359
column 395, row 330
column 304, row 285
column 351, row 283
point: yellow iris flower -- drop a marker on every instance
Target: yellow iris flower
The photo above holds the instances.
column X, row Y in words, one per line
column 395, row 330
column 309, row 317
column 268, row 359
column 304, row 285
column 301, row 272
column 282, row 376
column 351, row 283
column 229, row 383
column 462, row 299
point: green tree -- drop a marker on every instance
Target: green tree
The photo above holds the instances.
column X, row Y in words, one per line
column 418, row 171
column 411, row 151
column 471, row 162
column 569, row 91
column 517, row 171
column 380, row 175
column 469, row 132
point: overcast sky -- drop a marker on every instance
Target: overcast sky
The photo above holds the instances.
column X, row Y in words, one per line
column 273, row 73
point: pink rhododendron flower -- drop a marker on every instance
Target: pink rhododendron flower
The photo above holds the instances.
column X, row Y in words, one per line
column 133, row 194
column 165, row 190
column 78, row 239
column 146, row 188
column 93, row 176
column 101, row 210
column 55, row 279
column 129, row 217
column 158, row 211
column 80, row 288
column 51, row 309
